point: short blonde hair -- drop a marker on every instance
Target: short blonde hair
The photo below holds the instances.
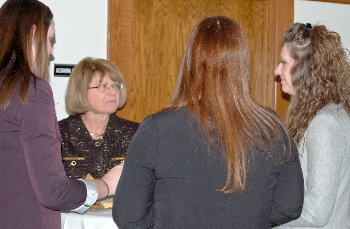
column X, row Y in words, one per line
column 76, row 96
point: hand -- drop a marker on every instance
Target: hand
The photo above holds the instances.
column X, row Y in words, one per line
column 112, row 178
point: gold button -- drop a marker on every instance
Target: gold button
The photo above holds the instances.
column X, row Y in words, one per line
column 73, row 163
column 98, row 168
column 97, row 144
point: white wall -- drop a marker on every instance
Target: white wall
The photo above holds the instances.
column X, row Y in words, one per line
column 81, row 30
column 334, row 16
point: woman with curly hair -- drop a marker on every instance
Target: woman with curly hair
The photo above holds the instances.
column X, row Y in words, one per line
column 315, row 71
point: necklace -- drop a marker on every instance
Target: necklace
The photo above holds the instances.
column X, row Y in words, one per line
column 96, row 135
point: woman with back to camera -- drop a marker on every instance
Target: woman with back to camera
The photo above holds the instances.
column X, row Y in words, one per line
column 212, row 158
column 34, row 186
column 94, row 138
column 315, row 71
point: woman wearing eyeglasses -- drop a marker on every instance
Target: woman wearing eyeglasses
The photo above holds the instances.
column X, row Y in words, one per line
column 94, row 138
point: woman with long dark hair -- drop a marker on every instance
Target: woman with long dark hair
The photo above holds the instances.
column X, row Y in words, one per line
column 34, row 186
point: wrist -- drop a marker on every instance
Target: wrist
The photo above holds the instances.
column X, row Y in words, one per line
column 106, row 186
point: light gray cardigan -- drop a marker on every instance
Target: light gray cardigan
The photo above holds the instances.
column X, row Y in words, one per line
column 325, row 160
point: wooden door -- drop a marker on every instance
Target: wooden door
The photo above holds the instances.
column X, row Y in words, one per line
column 147, row 40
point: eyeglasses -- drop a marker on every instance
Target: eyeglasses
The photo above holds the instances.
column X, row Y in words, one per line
column 105, row 87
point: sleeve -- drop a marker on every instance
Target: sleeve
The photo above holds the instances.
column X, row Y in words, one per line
column 325, row 146
column 288, row 192
column 40, row 139
column 91, row 197
column 134, row 198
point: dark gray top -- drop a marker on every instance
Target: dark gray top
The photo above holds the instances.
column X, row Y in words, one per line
column 170, row 179
column 32, row 178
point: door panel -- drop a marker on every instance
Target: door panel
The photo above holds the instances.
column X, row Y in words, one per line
column 147, row 40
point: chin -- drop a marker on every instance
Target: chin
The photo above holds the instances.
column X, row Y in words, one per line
column 111, row 106
column 286, row 91
column 107, row 112
column 111, row 111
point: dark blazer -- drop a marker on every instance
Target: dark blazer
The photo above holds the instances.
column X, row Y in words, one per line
column 82, row 155
column 171, row 176
column 33, row 181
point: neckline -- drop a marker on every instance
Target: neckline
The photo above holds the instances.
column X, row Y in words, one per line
column 89, row 134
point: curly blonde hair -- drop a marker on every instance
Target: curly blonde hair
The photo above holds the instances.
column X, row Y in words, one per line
column 320, row 74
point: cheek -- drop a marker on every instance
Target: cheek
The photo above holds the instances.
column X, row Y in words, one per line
column 94, row 101
column 286, row 71
column 117, row 97
column 288, row 79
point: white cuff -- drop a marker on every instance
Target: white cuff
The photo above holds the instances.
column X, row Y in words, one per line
column 91, row 197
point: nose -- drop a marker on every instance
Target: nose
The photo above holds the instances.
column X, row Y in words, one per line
column 277, row 71
column 50, row 49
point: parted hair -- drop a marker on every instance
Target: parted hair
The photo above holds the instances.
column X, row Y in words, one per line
column 22, row 24
column 320, row 73
column 213, row 82
column 83, row 72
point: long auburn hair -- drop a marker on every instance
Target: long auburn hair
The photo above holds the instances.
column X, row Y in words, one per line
column 22, row 24
column 213, row 83
column 320, row 74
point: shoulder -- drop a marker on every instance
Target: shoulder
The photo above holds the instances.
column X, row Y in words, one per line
column 39, row 86
column 40, row 98
column 170, row 122
column 170, row 116
column 330, row 116
column 69, row 119
column 115, row 120
column 65, row 123
column 166, row 118
column 330, row 126
column 161, row 124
